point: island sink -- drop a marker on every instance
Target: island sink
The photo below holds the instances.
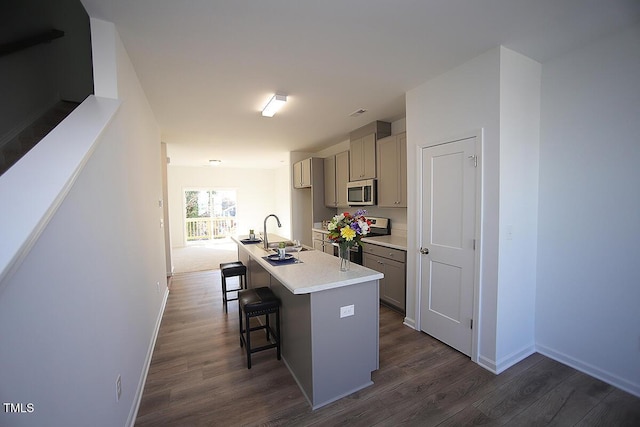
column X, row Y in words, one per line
column 288, row 244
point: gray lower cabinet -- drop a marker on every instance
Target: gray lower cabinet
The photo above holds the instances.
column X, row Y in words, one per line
column 392, row 263
column 322, row 243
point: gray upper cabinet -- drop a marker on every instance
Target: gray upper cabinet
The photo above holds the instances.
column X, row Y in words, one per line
column 336, row 176
column 302, row 173
column 363, row 158
column 392, row 171
column 362, row 147
column 330, row 181
column 342, row 177
column 307, row 201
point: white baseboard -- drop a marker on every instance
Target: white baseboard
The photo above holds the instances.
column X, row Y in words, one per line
column 488, row 364
column 143, row 379
column 505, row 363
column 515, row 357
column 608, row 377
column 410, row 322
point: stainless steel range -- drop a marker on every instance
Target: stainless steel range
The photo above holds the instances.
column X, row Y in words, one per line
column 379, row 227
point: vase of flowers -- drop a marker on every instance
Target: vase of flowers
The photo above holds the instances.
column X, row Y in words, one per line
column 347, row 230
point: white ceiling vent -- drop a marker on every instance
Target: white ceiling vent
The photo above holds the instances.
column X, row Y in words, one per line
column 358, row 112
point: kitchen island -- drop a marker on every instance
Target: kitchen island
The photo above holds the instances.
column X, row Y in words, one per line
column 329, row 351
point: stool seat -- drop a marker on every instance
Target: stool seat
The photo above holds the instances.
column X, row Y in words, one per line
column 232, row 269
column 230, row 264
column 258, row 302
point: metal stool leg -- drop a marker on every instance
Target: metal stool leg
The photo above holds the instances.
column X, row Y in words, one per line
column 224, row 292
column 248, row 348
column 240, row 323
column 278, row 331
column 267, row 324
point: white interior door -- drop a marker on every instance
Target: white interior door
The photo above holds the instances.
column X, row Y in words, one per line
column 447, row 242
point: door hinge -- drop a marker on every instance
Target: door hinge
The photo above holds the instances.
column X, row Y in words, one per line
column 470, row 323
column 474, row 244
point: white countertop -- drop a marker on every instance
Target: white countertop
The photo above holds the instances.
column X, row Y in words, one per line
column 318, row 271
column 391, row 241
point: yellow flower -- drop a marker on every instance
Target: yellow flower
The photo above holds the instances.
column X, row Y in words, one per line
column 348, row 233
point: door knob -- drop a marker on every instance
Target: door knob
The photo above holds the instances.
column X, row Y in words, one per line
column 424, row 251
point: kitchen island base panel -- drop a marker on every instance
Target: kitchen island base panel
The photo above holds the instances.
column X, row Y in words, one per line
column 330, row 357
column 345, row 349
column 295, row 327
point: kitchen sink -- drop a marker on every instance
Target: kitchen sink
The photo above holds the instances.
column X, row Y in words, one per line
column 273, row 247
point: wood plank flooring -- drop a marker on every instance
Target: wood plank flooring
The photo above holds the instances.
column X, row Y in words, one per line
column 198, row 377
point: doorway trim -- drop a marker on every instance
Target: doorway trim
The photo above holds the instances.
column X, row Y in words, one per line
column 478, row 134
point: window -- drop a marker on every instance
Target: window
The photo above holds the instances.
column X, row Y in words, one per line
column 209, row 214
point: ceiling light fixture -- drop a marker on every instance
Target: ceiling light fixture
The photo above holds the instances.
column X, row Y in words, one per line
column 274, row 104
column 358, row 112
column 214, row 162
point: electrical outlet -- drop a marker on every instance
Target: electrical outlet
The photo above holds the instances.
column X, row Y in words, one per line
column 118, row 388
column 347, row 310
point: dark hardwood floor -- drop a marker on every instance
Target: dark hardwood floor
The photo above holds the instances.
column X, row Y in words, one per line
column 198, row 377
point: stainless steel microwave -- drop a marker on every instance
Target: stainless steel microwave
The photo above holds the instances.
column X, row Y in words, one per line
column 361, row 193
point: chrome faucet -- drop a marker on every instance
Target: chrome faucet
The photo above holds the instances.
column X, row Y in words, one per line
column 266, row 240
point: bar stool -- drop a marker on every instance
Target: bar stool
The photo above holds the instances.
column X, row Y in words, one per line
column 257, row 302
column 232, row 269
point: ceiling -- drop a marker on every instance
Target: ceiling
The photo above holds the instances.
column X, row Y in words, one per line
column 208, row 67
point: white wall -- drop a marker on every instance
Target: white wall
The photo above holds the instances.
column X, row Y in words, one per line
column 588, row 291
column 283, row 185
column 458, row 103
column 498, row 94
column 519, row 152
column 259, row 193
column 83, row 306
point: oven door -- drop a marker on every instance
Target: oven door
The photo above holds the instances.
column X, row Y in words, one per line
column 355, row 254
